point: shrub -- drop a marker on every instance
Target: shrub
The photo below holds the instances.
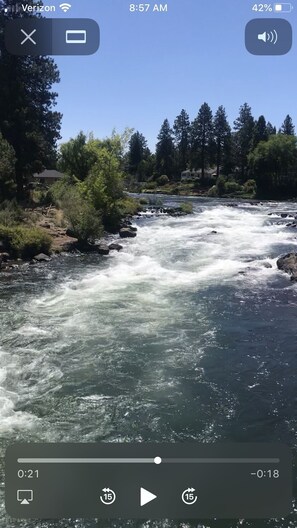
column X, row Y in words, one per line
column 85, row 221
column 25, row 242
column 186, row 207
column 10, row 213
column 143, row 201
column 250, row 187
column 128, row 206
column 162, row 180
column 232, row 187
column 151, row 186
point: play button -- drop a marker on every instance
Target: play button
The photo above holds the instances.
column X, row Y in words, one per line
column 146, row 496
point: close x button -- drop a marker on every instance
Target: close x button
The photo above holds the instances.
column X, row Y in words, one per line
column 33, row 36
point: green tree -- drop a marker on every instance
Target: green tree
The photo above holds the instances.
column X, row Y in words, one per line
column 273, row 164
column 202, row 140
column 271, row 130
column 222, row 138
column 287, row 127
column 260, row 131
column 28, row 121
column 75, row 158
column 138, row 151
column 103, row 188
column 165, row 150
column 182, row 129
column 244, row 133
column 7, row 170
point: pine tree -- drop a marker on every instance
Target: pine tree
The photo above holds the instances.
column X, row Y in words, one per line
column 182, row 130
column 222, row 138
column 138, row 151
column 244, row 133
column 287, row 127
column 27, row 119
column 202, row 138
column 260, row 131
column 271, row 130
column 165, row 150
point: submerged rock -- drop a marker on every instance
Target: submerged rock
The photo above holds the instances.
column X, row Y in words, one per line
column 288, row 264
column 114, row 246
column 267, row 265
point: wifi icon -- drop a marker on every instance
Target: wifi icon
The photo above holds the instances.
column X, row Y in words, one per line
column 65, row 7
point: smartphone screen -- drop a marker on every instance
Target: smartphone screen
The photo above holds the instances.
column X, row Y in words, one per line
column 148, row 264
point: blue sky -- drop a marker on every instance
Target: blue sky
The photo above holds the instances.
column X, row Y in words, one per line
column 151, row 65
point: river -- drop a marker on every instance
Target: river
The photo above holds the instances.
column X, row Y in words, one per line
column 184, row 335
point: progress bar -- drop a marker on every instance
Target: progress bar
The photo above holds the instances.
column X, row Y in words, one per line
column 156, row 460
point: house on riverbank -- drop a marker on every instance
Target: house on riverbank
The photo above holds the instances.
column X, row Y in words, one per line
column 47, row 177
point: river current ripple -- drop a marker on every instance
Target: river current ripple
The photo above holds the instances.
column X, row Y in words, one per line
column 185, row 335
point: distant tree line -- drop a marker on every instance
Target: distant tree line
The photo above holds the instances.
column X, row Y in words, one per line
column 252, row 148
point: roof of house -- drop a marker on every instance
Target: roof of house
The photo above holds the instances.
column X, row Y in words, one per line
column 49, row 174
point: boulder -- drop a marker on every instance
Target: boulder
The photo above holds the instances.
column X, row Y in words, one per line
column 284, row 215
column 114, row 246
column 41, row 258
column 103, row 249
column 288, row 264
column 213, row 233
column 127, row 232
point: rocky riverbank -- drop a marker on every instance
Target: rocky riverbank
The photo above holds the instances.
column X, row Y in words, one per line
column 48, row 220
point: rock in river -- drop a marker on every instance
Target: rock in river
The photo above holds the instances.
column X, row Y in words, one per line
column 127, row 232
column 288, row 264
column 103, row 249
column 41, row 258
column 114, row 246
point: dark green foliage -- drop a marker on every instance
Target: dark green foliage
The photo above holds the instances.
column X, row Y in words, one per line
column 24, row 242
column 7, row 170
column 162, row 180
column 28, row 121
column 287, row 127
column 244, row 134
column 271, row 130
column 165, row 150
column 186, row 207
column 138, row 153
column 260, row 131
column 222, row 138
column 182, row 136
column 273, row 164
column 202, row 139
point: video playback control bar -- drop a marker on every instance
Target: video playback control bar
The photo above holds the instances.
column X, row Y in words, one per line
column 155, row 481
column 53, row 36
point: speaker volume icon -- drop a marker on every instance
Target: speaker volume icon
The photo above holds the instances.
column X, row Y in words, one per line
column 269, row 36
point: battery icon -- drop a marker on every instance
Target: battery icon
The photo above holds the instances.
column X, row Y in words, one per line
column 283, row 8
